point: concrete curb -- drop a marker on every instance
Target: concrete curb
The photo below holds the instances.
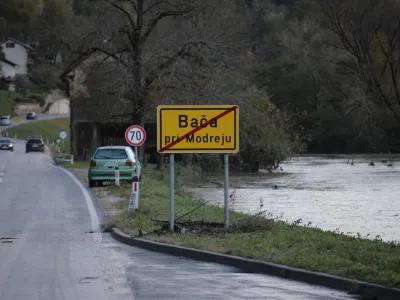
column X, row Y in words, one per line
column 366, row 290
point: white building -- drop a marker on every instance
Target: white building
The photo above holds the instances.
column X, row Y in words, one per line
column 7, row 74
column 8, row 68
column 17, row 52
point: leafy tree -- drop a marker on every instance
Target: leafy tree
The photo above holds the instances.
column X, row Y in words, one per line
column 19, row 17
column 24, row 11
column 268, row 135
column 46, row 76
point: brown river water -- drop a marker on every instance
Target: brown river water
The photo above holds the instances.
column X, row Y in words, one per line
column 324, row 190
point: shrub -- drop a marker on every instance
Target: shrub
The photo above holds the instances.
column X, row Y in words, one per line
column 37, row 98
column 23, row 83
column 210, row 163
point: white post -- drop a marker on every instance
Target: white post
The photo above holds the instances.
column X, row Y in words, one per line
column 117, row 176
column 72, row 159
column 134, row 200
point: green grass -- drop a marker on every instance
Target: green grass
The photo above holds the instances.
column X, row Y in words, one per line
column 48, row 129
column 75, row 165
column 7, row 101
column 255, row 237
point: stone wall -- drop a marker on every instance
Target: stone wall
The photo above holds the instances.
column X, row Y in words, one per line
column 23, row 109
column 60, row 106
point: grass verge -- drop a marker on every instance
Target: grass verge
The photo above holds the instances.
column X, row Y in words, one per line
column 257, row 237
column 48, row 129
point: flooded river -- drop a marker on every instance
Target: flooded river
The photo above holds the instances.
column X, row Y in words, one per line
column 324, row 190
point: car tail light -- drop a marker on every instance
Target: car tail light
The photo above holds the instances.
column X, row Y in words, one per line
column 128, row 163
column 92, row 163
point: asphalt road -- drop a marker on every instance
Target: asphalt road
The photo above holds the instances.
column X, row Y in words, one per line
column 39, row 117
column 48, row 253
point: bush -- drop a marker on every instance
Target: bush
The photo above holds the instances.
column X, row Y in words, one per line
column 46, row 76
column 23, row 83
column 25, row 100
column 210, row 163
column 18, row 100
column 31, row 99
column 37, row 98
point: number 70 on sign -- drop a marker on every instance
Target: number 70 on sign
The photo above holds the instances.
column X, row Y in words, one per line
column 135, row 135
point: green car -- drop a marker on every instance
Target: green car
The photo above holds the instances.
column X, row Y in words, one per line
column 106, row 159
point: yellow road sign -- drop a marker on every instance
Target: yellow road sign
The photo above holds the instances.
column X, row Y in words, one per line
column 198, row 128
column 17, row 118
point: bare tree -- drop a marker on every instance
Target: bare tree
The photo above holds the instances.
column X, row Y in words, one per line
column 367, row 47
column 160, row 46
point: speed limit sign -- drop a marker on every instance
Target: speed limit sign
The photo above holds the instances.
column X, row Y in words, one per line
column 135, row 135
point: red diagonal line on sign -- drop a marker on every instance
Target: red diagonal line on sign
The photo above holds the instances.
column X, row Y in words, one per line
column 233, row 108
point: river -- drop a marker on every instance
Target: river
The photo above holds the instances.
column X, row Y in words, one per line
column 327, row 191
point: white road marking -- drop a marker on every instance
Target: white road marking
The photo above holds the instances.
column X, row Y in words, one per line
column 92, row 211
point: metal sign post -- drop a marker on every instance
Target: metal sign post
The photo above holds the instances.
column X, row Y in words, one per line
column 226, row 190
column 171, row 192
column 137, row 169
column 135, row 136
column 63, row 136
column 198, row 129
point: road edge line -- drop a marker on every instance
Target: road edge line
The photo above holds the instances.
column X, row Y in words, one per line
column 89, row 202
column 355, row 287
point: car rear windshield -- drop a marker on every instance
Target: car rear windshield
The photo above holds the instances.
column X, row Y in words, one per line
column 5, row 142
column 111, row 154
column 35, row 141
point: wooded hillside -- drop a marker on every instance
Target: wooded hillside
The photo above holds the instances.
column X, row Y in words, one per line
column 318, row 73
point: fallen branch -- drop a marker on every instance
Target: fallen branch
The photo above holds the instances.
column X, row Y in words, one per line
column 194, row 223
column 184, row 215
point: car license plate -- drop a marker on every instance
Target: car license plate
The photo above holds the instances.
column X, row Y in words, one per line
column 111, row 164
column 34, row 145
column 4, row 146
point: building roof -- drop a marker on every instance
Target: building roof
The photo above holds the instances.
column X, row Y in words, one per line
column 8, row 62
column 76, row 63
column 18, row 42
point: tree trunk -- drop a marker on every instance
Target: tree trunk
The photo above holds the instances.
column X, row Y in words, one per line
column 255, row 168
column 160, row 162
column 138, row 119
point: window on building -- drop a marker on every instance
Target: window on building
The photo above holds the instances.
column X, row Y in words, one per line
column 10, row 45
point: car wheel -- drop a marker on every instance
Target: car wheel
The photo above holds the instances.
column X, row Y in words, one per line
column 12, row 150
column 26, row 151
column 91, row 183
